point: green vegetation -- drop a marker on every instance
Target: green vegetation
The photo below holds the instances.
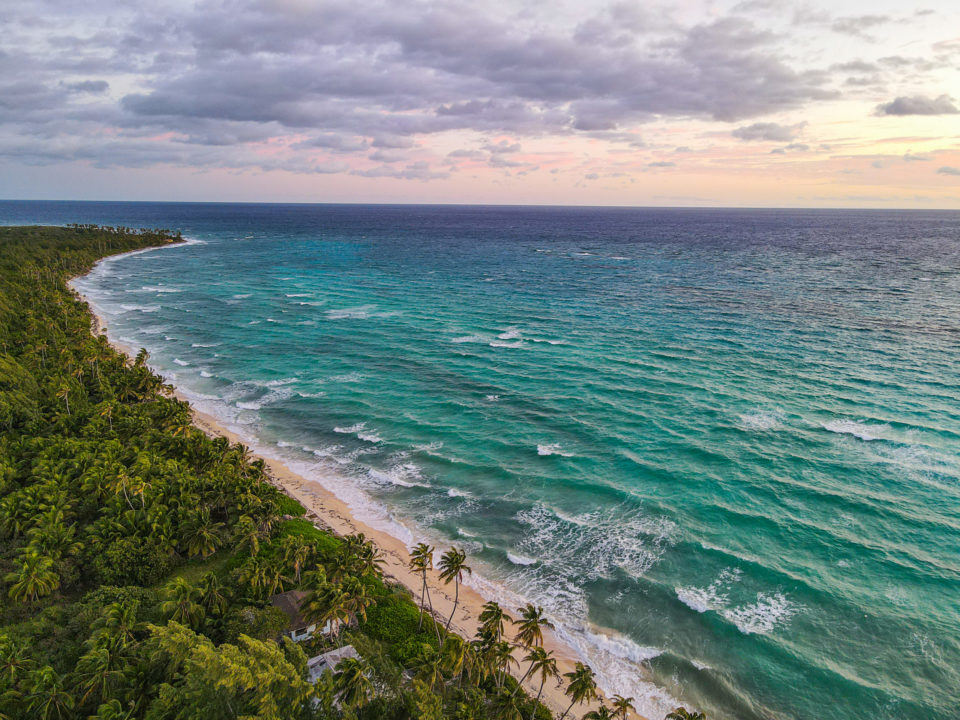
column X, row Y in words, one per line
column 138, row 555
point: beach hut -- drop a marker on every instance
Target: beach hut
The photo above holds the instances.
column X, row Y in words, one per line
column 316, row 666
column 289, row 602
column 298, row 629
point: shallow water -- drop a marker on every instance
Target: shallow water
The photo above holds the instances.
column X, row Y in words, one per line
column 728, row 438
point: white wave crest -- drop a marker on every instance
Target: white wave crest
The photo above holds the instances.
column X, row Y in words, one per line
column 521, row 559
column 268, row 399
column 360, row 430
column 594, row 545
column 429, row 447
column 857, row 428
column 553, row 449
column 351, row 429
column 206, row 374
column 467, row 339
column 404, row 475
column 360, row 312
column 275, row 383
column 160, row 289
column 763, row 616
column 182, row 363
column 712, row 597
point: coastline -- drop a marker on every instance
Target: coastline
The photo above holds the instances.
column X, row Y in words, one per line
column 329, row 512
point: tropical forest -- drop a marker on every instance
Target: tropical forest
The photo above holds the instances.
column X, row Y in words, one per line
column 139, row 556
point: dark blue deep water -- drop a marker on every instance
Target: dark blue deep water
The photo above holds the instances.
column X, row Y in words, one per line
column 719, row 446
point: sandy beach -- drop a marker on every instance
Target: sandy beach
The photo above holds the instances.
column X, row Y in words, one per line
column 327, row 511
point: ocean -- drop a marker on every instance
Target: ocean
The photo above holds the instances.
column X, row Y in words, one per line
column 720, row 447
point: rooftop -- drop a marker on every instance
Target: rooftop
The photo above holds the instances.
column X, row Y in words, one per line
column 290, row 603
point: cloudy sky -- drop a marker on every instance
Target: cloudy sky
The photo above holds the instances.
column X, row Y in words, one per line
column 689, row 102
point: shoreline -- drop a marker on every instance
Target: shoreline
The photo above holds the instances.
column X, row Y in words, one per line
column 329, row 512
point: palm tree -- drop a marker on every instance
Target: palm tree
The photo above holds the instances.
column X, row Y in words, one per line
column 351, row 683
column 681, row 713
column 622, row 706
column 213, row 597
column 454, row 652
column 601, row 713
column 119, row 621
column 254, row 574
column 273, row 575
column 430, row 668
column 369, row 559
column 328, row 604
column 581, row 688
column 453, row 563
column 64, row 394
column 182, row 604
column 47, row 699
column 34, row 579
column 542, row 663
column 13, row 661
column 98, row 670
column 501, row 657
column 507, row 707
column 531, row 624
column 356, row 599
column 297, row 552
column 114, row 710
column 248, row 534
column 421, row 561
column 492, row 621
column 107, row 412
column 201, row 535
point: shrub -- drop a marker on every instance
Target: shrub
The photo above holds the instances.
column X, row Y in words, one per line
column 133, row 561
column 287, row 505
column 258, row 623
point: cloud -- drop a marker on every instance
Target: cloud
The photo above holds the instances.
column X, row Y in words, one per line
column 342, row 76
column 467, row 154
column 88, row 86
column 918, row 105
column 857, row 25
column 662, row 164
column 504, row 146
column 419, row 170
column 335, row 142
column 769, row 131
column 393, row 142
column 947, row 170
column 386, row 156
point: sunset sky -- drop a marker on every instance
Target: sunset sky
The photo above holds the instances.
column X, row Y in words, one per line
column 754, row 103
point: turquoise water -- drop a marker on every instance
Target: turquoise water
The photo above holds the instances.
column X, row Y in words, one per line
column 720, row 447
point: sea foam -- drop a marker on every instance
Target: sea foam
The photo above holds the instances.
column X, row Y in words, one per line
column 857, row 428
column 553, row 449
column 766, row 614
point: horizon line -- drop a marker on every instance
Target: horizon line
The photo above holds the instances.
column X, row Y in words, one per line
column 490, row 205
